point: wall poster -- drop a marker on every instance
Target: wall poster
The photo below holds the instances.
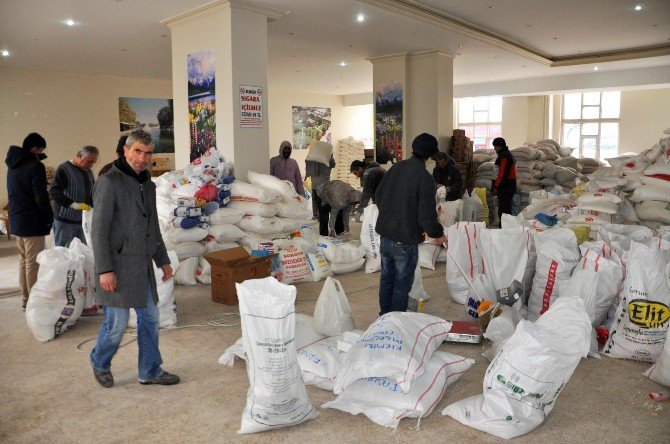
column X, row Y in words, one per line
column 155, row 116
column 309, row 125
column 201, row 102
column 388, row 122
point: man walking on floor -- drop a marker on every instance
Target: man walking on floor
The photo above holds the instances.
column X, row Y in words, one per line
column 30, row 215
column 126, row 239
column 406, row 201
column 72, row 192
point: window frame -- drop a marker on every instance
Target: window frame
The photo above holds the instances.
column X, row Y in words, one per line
column 487, row 124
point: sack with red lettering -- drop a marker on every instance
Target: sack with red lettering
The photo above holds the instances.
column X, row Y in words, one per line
column 557, row 255
column 381, row 399
column 641, row 322
column 293, row 267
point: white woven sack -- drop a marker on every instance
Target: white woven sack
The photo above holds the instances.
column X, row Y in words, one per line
column 398, row 346
column 318, row 266
column 226, row 215
column 337, row 251
column 660, row 371
column 557, row 256
column 381, row 400
column 370, row 239
column 185, row 250
column 260, row 225
column 267, row 314
column 649, row 192
column 589, row 219
column 641, row 321
column 186, row 273
column 609, row 277
column 320, row 152
column 598, row 207
column 320, row 363
column 226, row 232
column 428, row 254
column 295, row 209
column 657, row 168
column 195, row 234
column 254, row 208
column 347, row 267
column 657, row 182
column 653, row 210
column 463, row 249
column 252, row 193
column 598, row 197
column 282, row 187
column 522, row 383
column 293, row 267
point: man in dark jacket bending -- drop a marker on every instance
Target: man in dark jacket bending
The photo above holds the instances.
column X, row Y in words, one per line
column 447, row 173
column 406, row 201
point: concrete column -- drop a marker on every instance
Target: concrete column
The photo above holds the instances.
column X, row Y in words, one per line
column 427, row 84
column 236, row 33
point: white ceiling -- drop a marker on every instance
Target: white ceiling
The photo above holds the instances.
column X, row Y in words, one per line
column 125, row 38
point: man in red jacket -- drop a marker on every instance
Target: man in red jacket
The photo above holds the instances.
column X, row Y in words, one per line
column 504, row 185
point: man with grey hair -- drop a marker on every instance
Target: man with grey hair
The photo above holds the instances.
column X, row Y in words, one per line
column 126, row 240
column 71, row 192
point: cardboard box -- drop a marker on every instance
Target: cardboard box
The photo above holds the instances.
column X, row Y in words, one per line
column 234, row 265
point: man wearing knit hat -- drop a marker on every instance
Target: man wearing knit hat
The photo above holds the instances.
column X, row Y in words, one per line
column 407, row 210
column 504, row 185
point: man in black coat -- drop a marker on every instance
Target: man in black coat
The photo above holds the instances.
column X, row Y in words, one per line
column 30, row 215
column 371, row 175
column 407, row 210
column 447, row 173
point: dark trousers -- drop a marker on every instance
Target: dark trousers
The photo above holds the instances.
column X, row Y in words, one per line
column 504, row 204
column 324, row 214
column 398, row 267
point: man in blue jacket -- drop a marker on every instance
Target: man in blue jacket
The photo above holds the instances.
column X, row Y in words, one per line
column 30, row 215
column 407, row 210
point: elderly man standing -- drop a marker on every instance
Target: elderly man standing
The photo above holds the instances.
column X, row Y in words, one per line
column 284, row 168
column 126, row 239
column 72, row 192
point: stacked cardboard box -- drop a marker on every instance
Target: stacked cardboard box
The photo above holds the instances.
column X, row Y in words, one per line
column 461, row 146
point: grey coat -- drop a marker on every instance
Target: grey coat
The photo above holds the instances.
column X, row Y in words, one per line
column 126, row 238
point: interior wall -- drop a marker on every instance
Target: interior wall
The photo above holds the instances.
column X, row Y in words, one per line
column 358, row 122
column 644, row 116
column 69, row 110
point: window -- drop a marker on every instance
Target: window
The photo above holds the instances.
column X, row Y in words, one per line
column 590, row 123
column 481, row 118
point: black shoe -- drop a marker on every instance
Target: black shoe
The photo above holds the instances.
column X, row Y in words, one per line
column 164, row 379
column 105, row 379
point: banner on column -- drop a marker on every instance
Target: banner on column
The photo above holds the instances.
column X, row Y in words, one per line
column 201, row 102
column 251, row 106
column 388, row 122
column 310, row 124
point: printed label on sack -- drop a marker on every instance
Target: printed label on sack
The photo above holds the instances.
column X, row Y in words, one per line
column 648, row 314
column 549, row 288
column 525, row 388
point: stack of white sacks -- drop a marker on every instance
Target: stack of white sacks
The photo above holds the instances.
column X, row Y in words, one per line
column 391, row 371
column 617, row 279
column 348, row 150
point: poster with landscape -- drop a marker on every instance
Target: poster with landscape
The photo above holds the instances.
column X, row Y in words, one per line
column 388, row 122
column 201, row 102
column 155, row 116
column 309, row 125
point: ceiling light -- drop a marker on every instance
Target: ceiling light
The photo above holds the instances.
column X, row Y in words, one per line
column 595, row 68
column 5, row 53
column 343, row 64
column 360, row 18
column 70, row 22
column 492, row 7
column 459, row 46
column 638, row 7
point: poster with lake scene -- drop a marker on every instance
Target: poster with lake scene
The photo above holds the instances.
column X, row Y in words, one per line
column 155, row 116
column 201, row 102
column 309, row 125
column 388, row 122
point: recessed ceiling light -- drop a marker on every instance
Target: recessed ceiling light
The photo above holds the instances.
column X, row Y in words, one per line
column 459, row 46
column 360, row 18
column 5, row 53
column 595, row 68
column 70, row 22
column 492, row 7
column 638, row 7
column 343, row 64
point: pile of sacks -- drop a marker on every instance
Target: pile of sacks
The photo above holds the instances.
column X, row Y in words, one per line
column 606, row 297
column 388, row 372
column 348, row 150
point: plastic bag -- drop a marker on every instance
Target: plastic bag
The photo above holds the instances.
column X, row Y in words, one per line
column 370, row 239
column 418, row 292
column 332, row 313
column 381, row 399
column 524, row 380
column 397, row 346
column 277, row 396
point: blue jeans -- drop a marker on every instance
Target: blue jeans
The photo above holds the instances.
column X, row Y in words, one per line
column 398, row 266
column 65, row 232
column 111, row 333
